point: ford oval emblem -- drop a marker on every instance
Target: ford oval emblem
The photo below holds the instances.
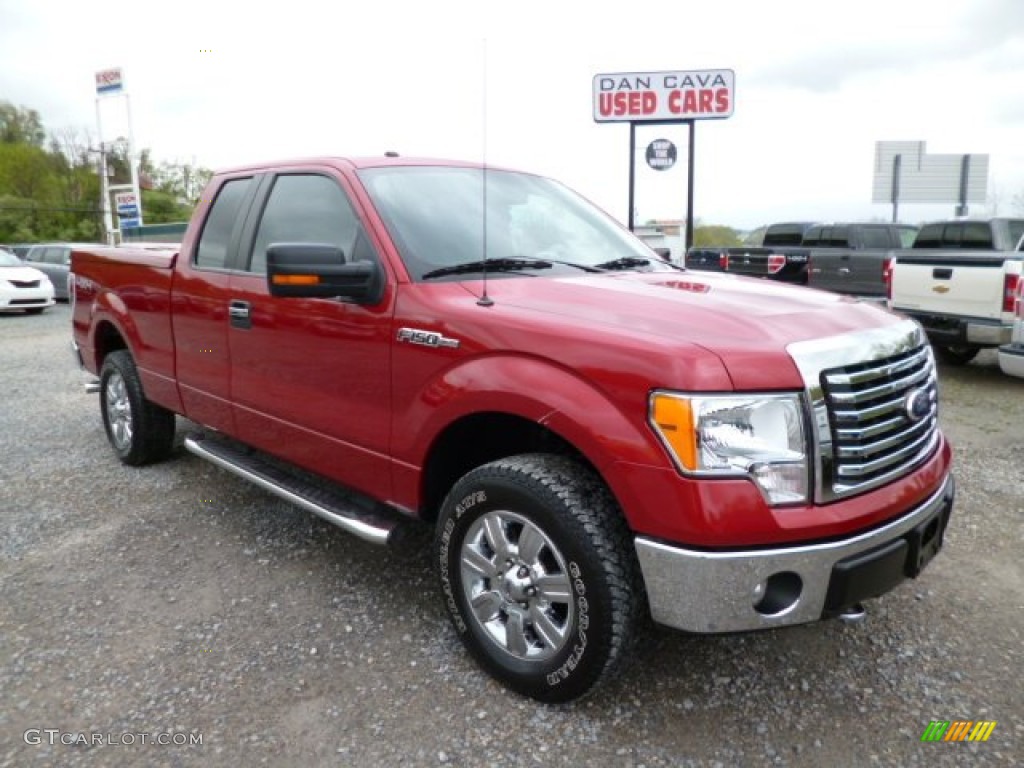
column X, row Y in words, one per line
column 917, row 404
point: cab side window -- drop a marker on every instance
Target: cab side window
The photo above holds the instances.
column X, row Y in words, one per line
column 221, row 220
column 305, row 208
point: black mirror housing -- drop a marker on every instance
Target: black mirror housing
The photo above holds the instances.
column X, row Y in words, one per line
column 317, row 270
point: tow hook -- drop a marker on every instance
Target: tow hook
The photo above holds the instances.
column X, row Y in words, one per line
column 853, row 615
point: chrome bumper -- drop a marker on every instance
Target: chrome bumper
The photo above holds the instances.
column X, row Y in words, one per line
column 988, row 334
column 699, row 591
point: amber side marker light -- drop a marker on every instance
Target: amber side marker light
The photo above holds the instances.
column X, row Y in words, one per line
column 673, row 416
column 296, row 279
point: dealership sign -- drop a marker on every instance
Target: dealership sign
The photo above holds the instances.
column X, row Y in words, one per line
column 658, row 96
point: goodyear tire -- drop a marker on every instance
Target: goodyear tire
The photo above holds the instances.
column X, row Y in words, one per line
column 957, row 354
column 140, row 432
column 539, row 575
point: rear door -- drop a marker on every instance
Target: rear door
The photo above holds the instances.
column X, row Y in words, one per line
column 311, row 378
column 199, row 305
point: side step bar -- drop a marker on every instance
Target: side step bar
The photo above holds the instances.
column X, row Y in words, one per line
column 366, row 519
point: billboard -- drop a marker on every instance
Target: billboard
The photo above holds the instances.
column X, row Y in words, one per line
column 653, row 96
column 925, row 178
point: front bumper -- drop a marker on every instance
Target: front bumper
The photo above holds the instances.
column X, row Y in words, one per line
column 700, row 591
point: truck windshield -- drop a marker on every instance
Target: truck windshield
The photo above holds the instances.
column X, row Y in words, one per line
column 435, row 216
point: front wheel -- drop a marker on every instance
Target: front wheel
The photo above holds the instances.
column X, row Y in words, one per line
column 957, row 354
column 538, row 574
column 139, row 431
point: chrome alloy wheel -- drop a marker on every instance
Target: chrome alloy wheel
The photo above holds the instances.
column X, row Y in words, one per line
column 119, row 411
column 517, row 585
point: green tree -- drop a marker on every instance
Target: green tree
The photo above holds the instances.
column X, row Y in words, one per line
column 705, row 235
column 20, row 126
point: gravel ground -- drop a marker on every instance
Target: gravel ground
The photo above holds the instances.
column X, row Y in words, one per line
column 177, row 599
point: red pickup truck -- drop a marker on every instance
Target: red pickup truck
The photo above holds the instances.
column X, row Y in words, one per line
column 595, row 436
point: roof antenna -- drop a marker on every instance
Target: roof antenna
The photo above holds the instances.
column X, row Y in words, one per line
column 485, row 300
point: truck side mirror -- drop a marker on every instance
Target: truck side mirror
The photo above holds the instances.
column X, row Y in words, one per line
column 318, row 270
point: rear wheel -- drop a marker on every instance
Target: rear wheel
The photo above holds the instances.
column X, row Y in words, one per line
column 957, row 354
column 140, row 432
column 538, row 574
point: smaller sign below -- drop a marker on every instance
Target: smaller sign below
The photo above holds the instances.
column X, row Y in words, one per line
column 128, row 211
column 661, row 154
column 109, row 81
column 130, row 223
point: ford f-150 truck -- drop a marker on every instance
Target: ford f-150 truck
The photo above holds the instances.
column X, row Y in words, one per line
column 959, row 280
column 854, row 258
column 779, row 255
column 594, row 436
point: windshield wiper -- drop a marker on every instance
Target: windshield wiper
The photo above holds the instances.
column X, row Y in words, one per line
column 626, row 262
column 489, row 265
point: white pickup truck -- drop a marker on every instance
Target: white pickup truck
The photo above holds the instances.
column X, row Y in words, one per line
column 960, row 281
column 1011, row 356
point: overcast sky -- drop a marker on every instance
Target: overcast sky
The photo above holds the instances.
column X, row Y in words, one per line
column 817, row 84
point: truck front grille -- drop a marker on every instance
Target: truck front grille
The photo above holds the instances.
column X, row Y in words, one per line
column 883, row 418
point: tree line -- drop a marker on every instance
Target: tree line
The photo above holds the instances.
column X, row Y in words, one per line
column 50, row 182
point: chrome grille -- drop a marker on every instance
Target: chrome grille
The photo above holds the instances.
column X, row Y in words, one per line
column 876, row 435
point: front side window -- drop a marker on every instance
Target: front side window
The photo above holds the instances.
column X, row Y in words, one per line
column 221, row 220
column 436, row 217
column 56, row 255
column 305, row 208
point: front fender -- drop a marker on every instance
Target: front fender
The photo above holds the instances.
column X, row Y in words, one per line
column 542, row 391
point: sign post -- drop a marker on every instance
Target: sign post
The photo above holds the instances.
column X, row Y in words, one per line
column 664, row 98
column 110, row 82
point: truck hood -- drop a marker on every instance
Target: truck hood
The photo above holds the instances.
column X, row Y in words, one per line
column 746, row 322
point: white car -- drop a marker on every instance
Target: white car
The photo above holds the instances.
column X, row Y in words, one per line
column 23, row 288
column 1011, row 356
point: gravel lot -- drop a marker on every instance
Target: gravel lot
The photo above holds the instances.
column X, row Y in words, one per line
column 178, row 599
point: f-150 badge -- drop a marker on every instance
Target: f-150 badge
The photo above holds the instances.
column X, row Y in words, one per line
column 426, row 338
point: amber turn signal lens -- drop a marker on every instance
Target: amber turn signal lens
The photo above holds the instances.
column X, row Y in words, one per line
column 296, row 279
column 673, row 418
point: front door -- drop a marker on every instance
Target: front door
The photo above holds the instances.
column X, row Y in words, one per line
column 310, row 378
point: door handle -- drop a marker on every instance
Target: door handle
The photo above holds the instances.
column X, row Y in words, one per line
column 844, row 270
column 239, row 313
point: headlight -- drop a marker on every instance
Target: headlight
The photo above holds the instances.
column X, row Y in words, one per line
column 758, row 436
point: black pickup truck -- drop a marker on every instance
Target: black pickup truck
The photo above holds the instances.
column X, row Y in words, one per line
column 848, row 258
column 779, row 256
column 853, row 258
